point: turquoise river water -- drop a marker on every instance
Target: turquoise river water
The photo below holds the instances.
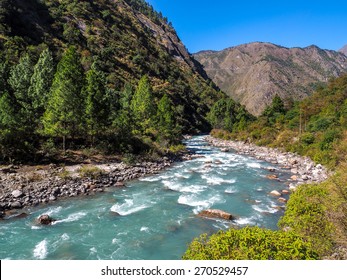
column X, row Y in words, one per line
column 157, row 213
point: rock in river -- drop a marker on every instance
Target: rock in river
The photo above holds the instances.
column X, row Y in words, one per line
column 215, row 213
column 45, row 220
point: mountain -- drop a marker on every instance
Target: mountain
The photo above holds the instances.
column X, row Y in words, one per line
column 129, row 39
column 343, row 50
column 254, row 73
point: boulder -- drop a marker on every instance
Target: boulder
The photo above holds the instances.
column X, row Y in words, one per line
column 281, row 199
column 45, row 220
column 16, row 205
column 224, row 150
column 285, row 191
column 275, row 193
column 215, row 213
column 119, row 184
column 272, row 177
column 294, row 178
column 17, row 193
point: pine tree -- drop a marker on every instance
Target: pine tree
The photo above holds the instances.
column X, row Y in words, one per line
column 65, row 110
column 165, row 118
column 124, row 121
column 19, row 81
column 97, row 106
column 142, row 105
column 41, row 82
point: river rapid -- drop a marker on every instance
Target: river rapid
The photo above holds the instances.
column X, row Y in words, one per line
column 154, row 217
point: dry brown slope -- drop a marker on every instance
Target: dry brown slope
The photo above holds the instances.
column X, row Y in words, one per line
column 253, row 73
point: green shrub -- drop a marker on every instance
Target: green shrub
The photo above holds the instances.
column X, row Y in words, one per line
column 307, row 138
column 250, row 243
column 306, row 214
column 90, row 172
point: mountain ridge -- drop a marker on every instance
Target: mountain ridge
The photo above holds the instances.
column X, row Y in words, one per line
column 254, row 73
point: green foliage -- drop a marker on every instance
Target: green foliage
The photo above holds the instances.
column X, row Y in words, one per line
column 251, row 243
column 228, row 115
column 97, row 105
column 275, row 110
column 65, row 110
column 90, row 172
column 41, row 82
column 143, row 105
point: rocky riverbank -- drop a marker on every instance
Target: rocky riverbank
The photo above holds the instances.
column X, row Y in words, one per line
column 304, row 170
column 24, row 186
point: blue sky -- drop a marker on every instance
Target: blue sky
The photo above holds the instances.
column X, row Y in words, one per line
column 218, row 24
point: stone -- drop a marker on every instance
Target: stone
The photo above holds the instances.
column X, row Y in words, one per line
column 17, row 193
column 45, row 220
column 281, row 199
column 224, row 150
column 275, row 193
column 294, row 178
column 285, row 191
column 119, row 184
column 217, row 161
column 16, row 205
column 294, row 171
column 272, row 177
column 52, row 198
column 215, row 213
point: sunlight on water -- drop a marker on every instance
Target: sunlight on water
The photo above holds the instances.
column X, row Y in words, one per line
column 155, row 217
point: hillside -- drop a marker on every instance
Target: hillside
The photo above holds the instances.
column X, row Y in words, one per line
column 128, row 37
column 120, row 51
column 254, row 73
column 343, row 50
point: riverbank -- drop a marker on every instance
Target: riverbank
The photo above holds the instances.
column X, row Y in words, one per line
column 304, row 170
column 25, row 186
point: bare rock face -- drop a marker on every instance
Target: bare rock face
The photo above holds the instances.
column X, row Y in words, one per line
column 45, row 220
column 254, row 73
column 344, row 50
column 215, row 213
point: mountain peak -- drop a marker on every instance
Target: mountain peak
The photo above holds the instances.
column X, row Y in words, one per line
column 343, row 50
column 254, row 73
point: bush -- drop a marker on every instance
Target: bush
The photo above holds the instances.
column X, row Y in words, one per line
column 307, row 138
column 250, row 243
column 306, row 214
column 90, row 172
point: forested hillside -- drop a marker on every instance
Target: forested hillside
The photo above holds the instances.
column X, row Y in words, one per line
column 107, row 75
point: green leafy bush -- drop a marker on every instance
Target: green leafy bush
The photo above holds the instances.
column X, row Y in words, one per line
column 251, row 243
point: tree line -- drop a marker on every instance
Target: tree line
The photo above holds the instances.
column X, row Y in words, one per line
column 66, row 106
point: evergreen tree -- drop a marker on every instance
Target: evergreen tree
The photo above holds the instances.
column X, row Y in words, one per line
column 41, row 82
column 124, row 120
column 142, row 105
column 19, row 81
column 65, row 110
column 97, row 106
column 165, row 119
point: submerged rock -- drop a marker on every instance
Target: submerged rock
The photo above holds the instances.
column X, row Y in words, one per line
column 215, row 213
column 45, row 220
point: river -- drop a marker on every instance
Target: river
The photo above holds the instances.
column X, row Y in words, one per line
column 157, row 214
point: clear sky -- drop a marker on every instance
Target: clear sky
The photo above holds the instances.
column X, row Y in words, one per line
column 218, row 24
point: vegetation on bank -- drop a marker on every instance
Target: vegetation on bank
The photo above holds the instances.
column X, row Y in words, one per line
column 314, row 225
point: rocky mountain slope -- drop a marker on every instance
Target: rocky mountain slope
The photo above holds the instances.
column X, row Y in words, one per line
column 344, row 50
column 128, row 38
column 254, row 73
